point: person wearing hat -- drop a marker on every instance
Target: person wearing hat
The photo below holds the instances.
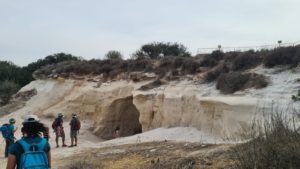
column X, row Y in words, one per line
column 8, row 131
column 74, row 129
column 32, row 144
column 58, row 128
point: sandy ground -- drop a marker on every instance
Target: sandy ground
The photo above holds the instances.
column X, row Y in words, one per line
column 89, row 142
column 283, row 85
column 86, row 139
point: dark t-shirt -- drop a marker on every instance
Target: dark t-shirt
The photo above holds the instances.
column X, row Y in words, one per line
column 73, row 123
column 17, row 150
column 59, row 122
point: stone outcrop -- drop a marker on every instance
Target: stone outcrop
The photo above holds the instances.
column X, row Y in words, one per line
column 121, row 105
column 222, row 116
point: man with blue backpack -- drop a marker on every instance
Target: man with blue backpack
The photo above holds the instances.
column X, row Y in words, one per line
column 32, row 151
column 8, row 131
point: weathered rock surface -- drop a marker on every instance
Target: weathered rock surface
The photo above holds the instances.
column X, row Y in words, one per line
column 120, row 104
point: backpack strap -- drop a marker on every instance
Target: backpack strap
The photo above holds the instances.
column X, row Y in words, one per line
column 42, row 144
column 24, row 144
column 27, row 147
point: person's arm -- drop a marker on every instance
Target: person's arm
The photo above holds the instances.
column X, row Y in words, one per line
column 15, row 129
column 49, row 158
column 11, row 162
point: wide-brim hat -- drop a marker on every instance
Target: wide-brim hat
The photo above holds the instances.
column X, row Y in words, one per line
column 31, row 119
column 12, row 120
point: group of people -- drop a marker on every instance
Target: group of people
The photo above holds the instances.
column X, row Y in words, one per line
column 58, row 127
column 33, row 149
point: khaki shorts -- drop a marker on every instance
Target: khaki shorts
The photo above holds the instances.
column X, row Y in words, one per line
column 73, row 133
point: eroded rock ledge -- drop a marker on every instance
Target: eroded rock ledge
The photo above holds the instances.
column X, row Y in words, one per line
column 121, row 105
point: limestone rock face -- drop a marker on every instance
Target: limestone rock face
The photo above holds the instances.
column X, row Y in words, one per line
column 219, row 116
column 121, row 105
column 109, row 106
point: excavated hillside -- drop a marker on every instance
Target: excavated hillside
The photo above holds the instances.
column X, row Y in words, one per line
column 183, row 103
column 158, row 104
column 170, row 116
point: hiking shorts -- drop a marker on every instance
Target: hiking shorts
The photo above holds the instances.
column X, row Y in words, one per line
column 8, row 142
column 73, row 133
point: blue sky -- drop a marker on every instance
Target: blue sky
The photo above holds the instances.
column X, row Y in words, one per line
column 33, row 29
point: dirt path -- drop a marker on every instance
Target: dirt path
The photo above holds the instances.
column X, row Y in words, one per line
column 86, row 139
column 120, row 153
column 154, row 155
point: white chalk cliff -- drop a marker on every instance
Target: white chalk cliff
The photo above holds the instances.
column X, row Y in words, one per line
column 178, row 103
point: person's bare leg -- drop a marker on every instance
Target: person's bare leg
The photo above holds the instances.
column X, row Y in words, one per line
column 63, row 138
column 6, row 148
column 56, row 140
column 75, row 140
column 72, row 140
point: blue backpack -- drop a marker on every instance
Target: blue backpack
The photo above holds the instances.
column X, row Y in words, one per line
column 34, row 156
column 6, row 131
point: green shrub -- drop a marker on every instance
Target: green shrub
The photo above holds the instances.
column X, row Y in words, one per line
column 51, row 59
column 207, row 61
column 7, row 89
column 283, row 56
column 214, row 73
column 217, row 55
column 296, row 97
column 12, row 72
column 157, row 50
column 235, row 81
column 246, row 60
column 190, row 66
column 113, row 54
column 166, row 65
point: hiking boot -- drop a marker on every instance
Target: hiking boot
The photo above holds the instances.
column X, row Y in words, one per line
column 71, row 146
column 64, row 145
column 75, row 145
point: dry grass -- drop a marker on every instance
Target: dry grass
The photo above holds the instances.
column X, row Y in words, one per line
column 131, row 161
column 84, row 165
column 156, row 155
column 274, row 144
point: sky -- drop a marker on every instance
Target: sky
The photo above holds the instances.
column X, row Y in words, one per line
column 34, row 29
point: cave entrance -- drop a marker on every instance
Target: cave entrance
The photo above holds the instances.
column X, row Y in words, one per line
column 124, row 117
